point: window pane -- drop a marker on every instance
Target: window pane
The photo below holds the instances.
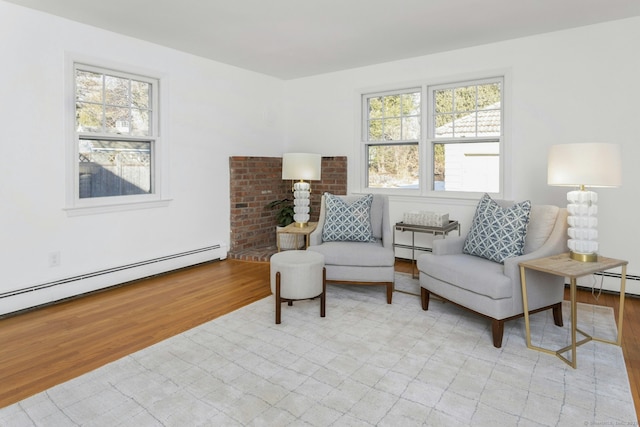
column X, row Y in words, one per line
column 375, row 130
column 464, row 98
column 88, row 86
column 467, row 167
column 392, row 106
column 465, row 125
column 375, row 108
column 393, row 166
column 140, row 125
column 411, row 104
column 116, row 91
column 392, row 130
column 140, row 94
column 443, row 101
column 488, row 94
column 410, row 128
column 88, row 117
column 117, row 120
column 490, row 122
column 444, row 123
column 114, row 168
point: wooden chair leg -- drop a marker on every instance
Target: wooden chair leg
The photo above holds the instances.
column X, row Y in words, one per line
column 389, row 292
column 557, row 314
column 323, row 297
column 497, row 329
column 424, row 297
column 278, row 301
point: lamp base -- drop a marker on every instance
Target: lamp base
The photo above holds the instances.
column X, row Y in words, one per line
column 577, row 256
column 301, row 224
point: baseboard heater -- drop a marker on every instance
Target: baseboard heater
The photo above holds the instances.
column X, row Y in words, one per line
column 613, row 275
column 107, row 271
column 617, row 275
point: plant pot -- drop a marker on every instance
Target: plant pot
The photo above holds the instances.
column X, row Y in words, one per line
column 288, row 241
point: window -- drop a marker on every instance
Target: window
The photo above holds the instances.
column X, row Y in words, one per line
column 393, row 133
column 454, row 146
column 465, row 133
column 115, row 138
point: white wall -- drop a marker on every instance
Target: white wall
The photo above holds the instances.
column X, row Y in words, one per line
column 580, row 85
column 215, row 111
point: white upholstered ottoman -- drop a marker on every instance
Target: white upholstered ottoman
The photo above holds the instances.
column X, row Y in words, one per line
column 298, row 275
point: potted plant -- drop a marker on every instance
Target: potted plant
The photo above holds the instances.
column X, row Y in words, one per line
column 284, row 217
column 284, row 214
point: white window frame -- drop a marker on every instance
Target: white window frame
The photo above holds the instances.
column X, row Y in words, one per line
column 431, row 140
column 158, row 197
column 365, row 132
column 425, row 188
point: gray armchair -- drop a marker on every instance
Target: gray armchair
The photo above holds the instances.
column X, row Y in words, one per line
column 491, row 289
column 360, row 263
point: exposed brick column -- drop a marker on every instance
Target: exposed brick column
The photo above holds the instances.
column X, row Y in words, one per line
column 256, row 181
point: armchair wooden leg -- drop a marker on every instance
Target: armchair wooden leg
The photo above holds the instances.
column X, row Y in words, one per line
column 389, row 292
column 497, row 329
column 557, row 314
column 323, row 297
column 278, row 301
column 424, row 298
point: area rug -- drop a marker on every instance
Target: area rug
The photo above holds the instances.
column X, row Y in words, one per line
column 366, row 363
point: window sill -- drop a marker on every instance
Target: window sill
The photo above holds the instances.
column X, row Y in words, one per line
column 118, row 207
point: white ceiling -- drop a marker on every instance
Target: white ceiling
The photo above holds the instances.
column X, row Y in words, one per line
column 297, row 38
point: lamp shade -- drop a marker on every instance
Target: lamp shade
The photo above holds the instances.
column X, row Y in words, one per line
column 589, row 164
column 301, row 166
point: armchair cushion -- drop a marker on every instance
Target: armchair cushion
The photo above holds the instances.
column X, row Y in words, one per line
column 541, row 222
column 478, row 276
column 346, row 221
column 498, row 232
column 357, row 254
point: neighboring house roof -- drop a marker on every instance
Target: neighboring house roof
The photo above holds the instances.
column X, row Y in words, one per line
column 488, row 124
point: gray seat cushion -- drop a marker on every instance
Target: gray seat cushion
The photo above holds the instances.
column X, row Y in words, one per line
column 472, row 273
column 355, row 254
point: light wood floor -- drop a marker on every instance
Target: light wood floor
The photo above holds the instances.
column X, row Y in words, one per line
column 50, row 345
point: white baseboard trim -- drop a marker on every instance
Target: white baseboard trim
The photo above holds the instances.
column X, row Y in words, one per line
column 46, row 293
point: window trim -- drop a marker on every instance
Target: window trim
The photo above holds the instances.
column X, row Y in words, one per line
column 431, row 140
column 159, row 196
column 425, row 143
column 364, row 143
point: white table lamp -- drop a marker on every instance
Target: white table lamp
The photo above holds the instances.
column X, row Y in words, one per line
column 301, row 167
column 584, row 165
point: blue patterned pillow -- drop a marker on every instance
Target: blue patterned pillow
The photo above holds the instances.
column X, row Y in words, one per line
column 347, row 222
column 498, row 233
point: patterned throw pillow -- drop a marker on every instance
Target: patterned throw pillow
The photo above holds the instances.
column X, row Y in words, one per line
column 347, row 222
column 498, row 233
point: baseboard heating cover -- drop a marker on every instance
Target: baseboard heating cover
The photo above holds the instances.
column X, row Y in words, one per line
column 56, row 290
column 610, row 281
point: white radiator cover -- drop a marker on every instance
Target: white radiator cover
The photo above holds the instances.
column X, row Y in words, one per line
column 46, row 293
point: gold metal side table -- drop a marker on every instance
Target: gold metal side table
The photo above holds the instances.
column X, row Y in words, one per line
column 562, row 265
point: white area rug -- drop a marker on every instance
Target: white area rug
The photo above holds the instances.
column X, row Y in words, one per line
column 366, row 363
